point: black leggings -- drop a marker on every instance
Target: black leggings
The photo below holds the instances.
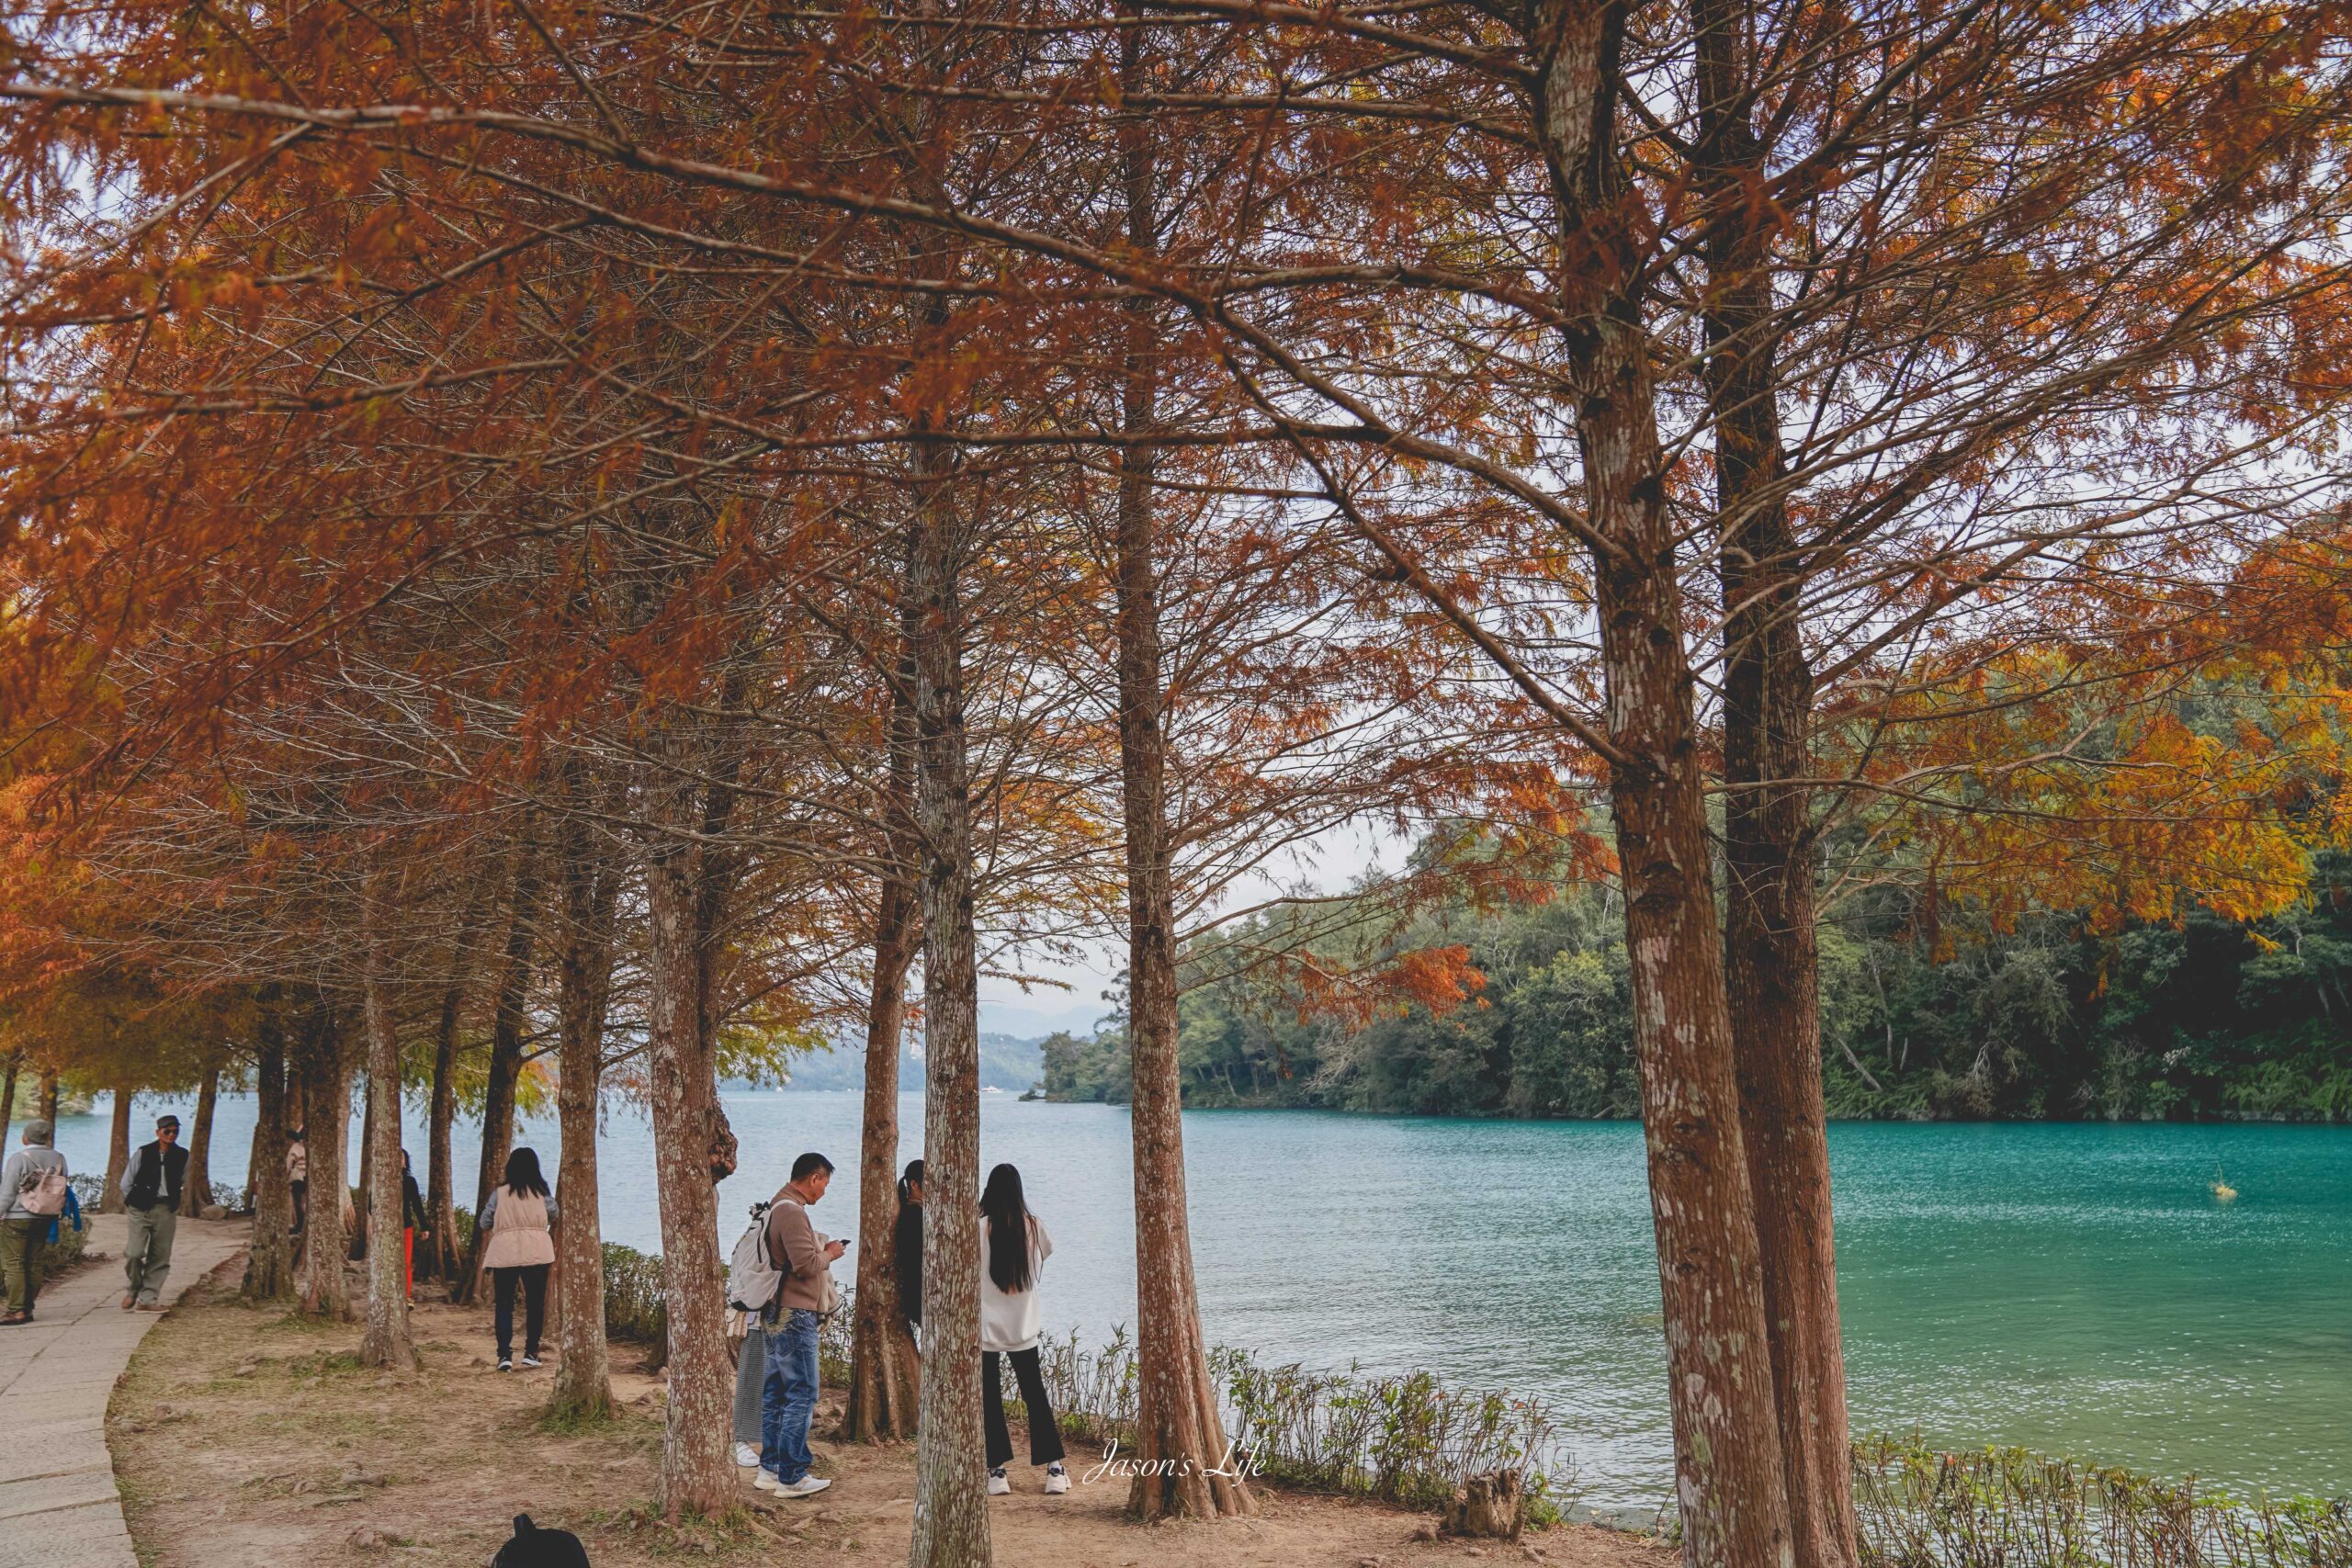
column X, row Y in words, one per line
column 534, row 1276
column 1045, row 1436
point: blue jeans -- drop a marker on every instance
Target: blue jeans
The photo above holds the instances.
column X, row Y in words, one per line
column 789, row 1397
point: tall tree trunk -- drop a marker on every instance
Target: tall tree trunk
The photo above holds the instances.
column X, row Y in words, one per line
column 269, row 1274
column 1180, row 1437
column 111, row 1202
column 326, row 1100
column 440, row 1260
column 386, row 1342
column 49, row 1097
column 583, row 1389
column 883, row 1373
column 951, row 1524
column 9, row 1093
column 1770, row 949
column 1730, row 1483
column 696, row 1474
column 881, row 1385
column 197, row 1189
column 505, row 1054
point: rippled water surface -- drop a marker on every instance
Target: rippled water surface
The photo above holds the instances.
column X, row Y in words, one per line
column 2070, row 1288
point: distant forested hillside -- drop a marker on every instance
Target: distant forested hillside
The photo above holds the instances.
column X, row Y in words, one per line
column 1006, row 1063
column 2211, row 1019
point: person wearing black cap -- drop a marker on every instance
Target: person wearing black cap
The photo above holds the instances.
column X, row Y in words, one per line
column 151, row 1186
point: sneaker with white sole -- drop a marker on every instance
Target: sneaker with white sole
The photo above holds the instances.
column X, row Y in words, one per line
column 766, row 1480
column 806, row 1486
column 1057, row 1481
column 505, row 1365
column 998, row 1485
column 530, row 1361
column 746, row 1455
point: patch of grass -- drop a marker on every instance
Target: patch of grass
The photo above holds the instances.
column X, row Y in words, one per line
column 576, row 1424
column 326, row 1364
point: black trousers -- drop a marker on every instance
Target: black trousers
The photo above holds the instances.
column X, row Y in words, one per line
column 1045, row 1436
column 533, row 1279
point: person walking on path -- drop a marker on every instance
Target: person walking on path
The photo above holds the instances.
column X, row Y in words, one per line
column 298, row 1178
column 746, row 1325
column 1016, row 1246
column 750, row 1382
column 805, row 1296
column 906, row 1266
column 519, row 1219
column 413, row 1225
column 906, row 1247
column 151, row 1187
column 34, row 1185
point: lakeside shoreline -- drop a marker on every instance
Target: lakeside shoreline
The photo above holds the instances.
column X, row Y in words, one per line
column 2070, row 1288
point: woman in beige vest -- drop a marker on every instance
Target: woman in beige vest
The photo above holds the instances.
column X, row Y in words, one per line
column 519, row 1218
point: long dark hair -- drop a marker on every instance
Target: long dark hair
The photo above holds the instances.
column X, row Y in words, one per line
column 909, row 1179
column 523, row 1174
column 1008, row 1218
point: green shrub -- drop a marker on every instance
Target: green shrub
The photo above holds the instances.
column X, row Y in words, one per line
column 67, row 1249
column 637, row 1307
column 1922, row 1507
column 1407, row 1439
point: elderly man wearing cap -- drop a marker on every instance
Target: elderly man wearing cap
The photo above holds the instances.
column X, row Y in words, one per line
column 151, row 1186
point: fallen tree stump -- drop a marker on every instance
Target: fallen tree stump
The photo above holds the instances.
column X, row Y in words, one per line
column 1492, row 1504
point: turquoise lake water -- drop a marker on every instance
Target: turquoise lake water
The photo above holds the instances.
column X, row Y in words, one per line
column 2070, row 1288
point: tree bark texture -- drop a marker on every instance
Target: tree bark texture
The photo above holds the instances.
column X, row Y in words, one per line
column 697, row 1473
column 196, row 1190
column 583, row 1376
column 1771, row 955
column 1730, row 1485
column 110, row 1201
column 386, row 1341
column 881, row 1377
column 505, row 1054
column 326, row 1100
column 439, row 1257
column 269, row 1274
column 951, row 1522
column 1180, row 1440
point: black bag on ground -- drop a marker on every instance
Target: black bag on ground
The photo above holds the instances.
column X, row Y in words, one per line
column 535, row 1548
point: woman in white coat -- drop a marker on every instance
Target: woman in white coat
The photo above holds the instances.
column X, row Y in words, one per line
column 1013, row 1248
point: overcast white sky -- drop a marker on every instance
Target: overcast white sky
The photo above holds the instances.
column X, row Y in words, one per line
column 1339, row 858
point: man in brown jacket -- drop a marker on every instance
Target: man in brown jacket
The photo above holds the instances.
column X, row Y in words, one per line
column 805, row 1294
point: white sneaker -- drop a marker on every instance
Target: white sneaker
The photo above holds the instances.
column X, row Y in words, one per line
column 806, row 1486
column 746, row 1455
column 1057, row 1481
column 530, row 1360
column 998, row 1485
column 766, row 1482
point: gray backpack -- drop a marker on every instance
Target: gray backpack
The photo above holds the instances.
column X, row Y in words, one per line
column 753, row 1278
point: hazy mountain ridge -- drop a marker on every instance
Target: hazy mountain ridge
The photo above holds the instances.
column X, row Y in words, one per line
column 1007, row 1063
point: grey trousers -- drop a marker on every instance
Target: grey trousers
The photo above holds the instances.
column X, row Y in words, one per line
column 750, row 1376
column 147, row 1251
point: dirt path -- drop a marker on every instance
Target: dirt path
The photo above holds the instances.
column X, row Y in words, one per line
column 251, row 1437
column 58, row 1507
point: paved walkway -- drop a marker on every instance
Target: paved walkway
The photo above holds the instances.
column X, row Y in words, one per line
column 58, row 1507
